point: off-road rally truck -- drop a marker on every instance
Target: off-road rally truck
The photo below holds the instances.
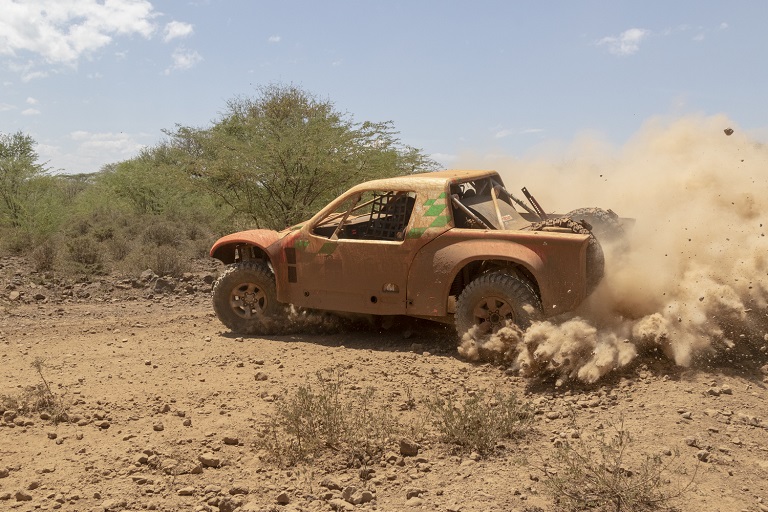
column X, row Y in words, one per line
column 449, row 246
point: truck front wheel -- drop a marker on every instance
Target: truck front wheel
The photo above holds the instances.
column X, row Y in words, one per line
column 245, row 298
column 492, row 300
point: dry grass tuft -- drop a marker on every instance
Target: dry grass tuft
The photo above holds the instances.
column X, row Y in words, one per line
column 601, row 473
column 479, row 423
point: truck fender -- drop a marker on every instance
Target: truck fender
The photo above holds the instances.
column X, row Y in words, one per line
column 434, row 269
column 224, row 248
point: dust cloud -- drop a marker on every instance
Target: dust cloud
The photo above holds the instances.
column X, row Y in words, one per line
column 694, row 284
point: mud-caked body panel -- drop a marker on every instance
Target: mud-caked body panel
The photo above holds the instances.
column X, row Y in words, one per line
column 554, row 262
column 229, row 248
column 363, row 274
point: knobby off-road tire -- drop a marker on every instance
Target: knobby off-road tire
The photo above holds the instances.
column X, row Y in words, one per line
column 493, row 299
column 245, row 298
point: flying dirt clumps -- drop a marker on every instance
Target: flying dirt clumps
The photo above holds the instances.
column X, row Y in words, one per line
column 573, row 349
column 502, row 346
column 694, row 283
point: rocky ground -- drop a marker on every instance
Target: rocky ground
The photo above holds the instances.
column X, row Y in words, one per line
column 165, row 410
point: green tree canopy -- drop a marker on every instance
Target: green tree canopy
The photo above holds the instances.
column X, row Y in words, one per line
column 280, row 156
column 18, row 165
column 149, row 183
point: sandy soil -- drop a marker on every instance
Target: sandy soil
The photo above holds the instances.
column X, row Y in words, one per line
column 158, row 388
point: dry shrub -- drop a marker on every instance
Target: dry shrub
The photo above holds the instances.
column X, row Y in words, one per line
column 103, row 233
column 163, row 261
column 319, row 419
column 14, row 241
column 194, row 232
column 86, row 251
column 162, row 233
column 36, row 399
column 119, row 248
column 480, row 423
column 200, row 248
column 167, row 261
column 601, row 473
column 44, row 255
column 33, row 399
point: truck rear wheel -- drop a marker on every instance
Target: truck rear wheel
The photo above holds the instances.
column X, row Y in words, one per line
column 245, row 298
column 492, row 300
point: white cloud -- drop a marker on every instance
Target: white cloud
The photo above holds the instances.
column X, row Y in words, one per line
column 274, row 39
column 30, row 112
column 84, row 151
column 627, row 43
column 6, row 106
column 26, row 70
column 183, row 59
column 107, row 146
column 507, row 132
column 176, row 29
column 31, row 101
column 33, row 75
column 61, row 31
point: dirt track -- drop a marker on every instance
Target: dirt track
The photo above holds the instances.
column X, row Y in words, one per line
column 157, row 384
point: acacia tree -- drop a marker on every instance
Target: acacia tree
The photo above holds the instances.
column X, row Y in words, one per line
column 278, row 157
column 18, row 166
column 148, row 183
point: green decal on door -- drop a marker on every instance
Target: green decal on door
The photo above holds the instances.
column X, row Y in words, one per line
column 328, row 248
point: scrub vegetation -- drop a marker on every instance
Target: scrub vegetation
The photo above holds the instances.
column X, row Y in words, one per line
column 268, row 162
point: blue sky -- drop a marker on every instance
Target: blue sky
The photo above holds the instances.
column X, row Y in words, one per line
column 94, row 81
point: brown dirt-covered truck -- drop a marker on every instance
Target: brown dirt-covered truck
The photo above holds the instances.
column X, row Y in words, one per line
column 450, row 246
